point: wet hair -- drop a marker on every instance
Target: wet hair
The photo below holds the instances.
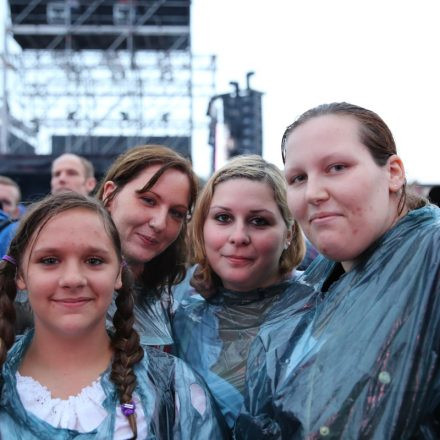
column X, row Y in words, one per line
column 373, row 133
column 255, row 168
column 125, row 341
column 169, row 267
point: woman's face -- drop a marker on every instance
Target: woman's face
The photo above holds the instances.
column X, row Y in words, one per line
column 245, row 234
column 150, row 221
column 342, row 199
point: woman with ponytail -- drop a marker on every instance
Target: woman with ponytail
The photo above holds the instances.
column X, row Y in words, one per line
column 68, row 377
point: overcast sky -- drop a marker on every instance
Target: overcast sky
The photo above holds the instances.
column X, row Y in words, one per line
column 380, row 54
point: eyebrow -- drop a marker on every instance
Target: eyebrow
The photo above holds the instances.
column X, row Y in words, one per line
column 140, row 192
column 52, row 249
column 252, row 211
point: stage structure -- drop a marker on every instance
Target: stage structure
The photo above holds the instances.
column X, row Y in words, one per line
column 235, row 123
column 80, row 75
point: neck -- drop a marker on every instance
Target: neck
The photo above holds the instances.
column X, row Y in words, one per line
column 74, row 362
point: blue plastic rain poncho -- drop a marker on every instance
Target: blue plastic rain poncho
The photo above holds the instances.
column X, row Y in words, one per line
column 8, row 228
column 152, row 317
column 214, row 336
column 161, row 381
column 364, row 362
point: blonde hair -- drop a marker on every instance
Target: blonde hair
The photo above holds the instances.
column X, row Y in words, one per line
column 255, row 168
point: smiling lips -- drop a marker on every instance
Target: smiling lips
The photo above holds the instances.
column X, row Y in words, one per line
column 72, row 302
column 149, row 241
column 238, row 260
column 322, row 217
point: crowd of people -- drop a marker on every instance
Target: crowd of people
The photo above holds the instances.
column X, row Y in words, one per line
column 265, row 305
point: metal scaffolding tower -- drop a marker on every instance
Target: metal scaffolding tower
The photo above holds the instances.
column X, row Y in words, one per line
column 99, row 76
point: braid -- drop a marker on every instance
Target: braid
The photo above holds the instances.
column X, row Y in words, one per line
column 8, row 292
column 126, row 346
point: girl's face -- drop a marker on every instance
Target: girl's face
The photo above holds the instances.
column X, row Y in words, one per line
column 342, row 199
column 70, row 270
column 150, row 221
column 245, row 234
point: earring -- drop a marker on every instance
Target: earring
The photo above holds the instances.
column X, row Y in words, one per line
column 286, row 245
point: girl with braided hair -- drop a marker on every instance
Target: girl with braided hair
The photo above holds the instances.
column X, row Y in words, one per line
column 68, row 377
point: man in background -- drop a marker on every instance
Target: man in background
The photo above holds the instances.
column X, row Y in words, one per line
column 10, row 196
column 71, row 172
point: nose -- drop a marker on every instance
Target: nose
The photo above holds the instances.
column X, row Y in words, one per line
column 316, row 190
column 72, row 276
column 158, row 220
column 239, row 234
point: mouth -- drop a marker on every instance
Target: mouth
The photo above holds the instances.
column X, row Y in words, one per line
column 72, row 302
column 322, row 217
column 148, row 240
column 238, row 259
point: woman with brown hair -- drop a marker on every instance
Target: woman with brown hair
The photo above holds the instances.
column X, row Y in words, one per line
column 363, row 362
column 246, row 246
column 150, row 192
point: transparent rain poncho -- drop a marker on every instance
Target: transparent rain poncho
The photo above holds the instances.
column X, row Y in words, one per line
column 152, row 318
column 214, row 336
column 174, row 400
column 364, row 361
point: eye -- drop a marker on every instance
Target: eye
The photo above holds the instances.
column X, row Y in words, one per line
column 259, row 221
column 223, row 218
column 178, row 215
column 150, row 201
column 94, row 261
column 337, row 167
column 297, row 179
column 48, row 261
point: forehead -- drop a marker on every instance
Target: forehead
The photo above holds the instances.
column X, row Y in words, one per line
column 323, row 136
column 68, row 162
column 326, row 129
column 8, row 191
column 242, row 191
column 168, row 180
column 78, row 225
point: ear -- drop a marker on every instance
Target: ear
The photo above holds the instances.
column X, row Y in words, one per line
column 396, row 172
column 90, row 184
column 289, row 237
column 16, row 213
column 109, row 187
column 20, row 283
column 118, row 282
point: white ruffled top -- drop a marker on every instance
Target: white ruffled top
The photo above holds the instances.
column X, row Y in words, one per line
column 83, row 412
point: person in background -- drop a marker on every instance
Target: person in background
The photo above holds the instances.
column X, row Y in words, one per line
column 246, row 246
column 363, row 362
column 69, row 378
column 10, row 197
column 150, row 192
column 434, row 195
column 71, row 172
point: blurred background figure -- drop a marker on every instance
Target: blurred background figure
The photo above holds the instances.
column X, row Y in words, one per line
column 434, row 195
column 74, row 173
column 10, row 196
